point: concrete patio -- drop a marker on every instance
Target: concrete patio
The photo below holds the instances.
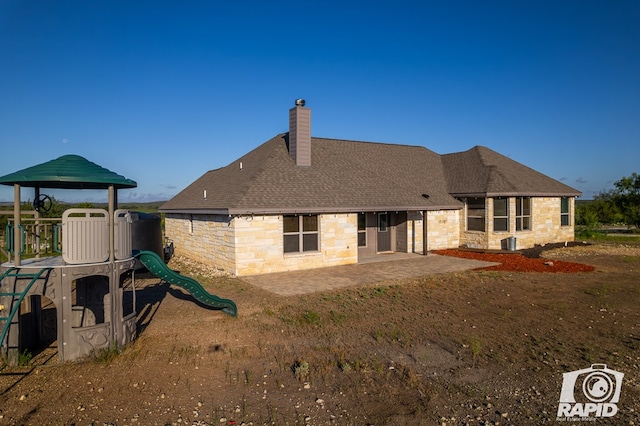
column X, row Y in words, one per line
column 369, row 270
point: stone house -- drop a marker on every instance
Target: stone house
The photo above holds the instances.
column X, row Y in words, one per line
column 300, row 202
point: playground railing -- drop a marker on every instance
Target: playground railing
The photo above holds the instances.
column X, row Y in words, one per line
column 85, row 236
column 38, row 237
column 80, row 236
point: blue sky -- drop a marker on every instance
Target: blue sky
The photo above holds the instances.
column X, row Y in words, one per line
column 162, row 91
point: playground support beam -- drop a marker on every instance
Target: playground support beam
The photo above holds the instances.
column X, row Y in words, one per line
column 17, row 235
column 112, row 209
column 36, row 196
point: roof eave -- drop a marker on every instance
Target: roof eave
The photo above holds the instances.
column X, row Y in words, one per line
column 308, row 210
column 517, row 194
column 195, row 211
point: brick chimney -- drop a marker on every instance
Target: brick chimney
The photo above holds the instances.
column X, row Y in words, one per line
column 300, row 134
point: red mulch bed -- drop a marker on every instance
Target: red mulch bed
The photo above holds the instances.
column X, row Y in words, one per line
column 518, row 263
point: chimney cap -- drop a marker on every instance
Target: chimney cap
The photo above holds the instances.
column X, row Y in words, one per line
column 300, row 102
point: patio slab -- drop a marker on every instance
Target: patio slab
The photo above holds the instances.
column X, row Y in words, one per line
column 369, row 270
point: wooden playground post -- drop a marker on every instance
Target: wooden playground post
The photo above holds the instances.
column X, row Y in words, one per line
column 17, row 235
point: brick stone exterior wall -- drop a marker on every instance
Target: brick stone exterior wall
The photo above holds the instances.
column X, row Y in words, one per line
column 209, row 239
column 260, row 245
column 443, row 229
column 545, row 225
column 415, row 236
column 251, row 245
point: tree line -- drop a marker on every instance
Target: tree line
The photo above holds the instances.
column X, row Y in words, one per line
column 618, row 206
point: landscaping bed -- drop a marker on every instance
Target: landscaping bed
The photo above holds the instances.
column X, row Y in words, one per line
column 527, row 261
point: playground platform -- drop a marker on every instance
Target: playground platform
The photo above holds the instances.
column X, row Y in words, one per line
column 83, row 296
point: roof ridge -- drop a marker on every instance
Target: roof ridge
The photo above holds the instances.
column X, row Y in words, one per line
column 373, row 143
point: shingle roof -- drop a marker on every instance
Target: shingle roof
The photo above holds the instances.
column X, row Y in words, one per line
column 351, row 176
column 343, row 176
column 481, row 171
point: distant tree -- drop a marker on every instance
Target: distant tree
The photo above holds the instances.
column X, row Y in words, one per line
column 587, row 222
column 85, row 205
column 4, row 219
column 626, row 196
column 605, row 209
column 618, row 205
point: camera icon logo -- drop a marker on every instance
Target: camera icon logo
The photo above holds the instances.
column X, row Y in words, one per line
column 591, row 392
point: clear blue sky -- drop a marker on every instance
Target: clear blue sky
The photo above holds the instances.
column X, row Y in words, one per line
column 162, row 91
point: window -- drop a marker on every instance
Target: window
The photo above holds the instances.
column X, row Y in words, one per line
column 523, row 213
column 300, row 233
column 475, row 214
column 362, row 230
column 500, row 214
column 383, row 222
column 564, row 212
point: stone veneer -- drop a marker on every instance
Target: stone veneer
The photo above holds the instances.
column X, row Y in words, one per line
column 415, row 236
column 209, row 239
column 443, row 229
column 545, row 225
column 251, row 245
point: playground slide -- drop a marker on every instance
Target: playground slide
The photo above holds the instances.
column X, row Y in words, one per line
column 157, row 267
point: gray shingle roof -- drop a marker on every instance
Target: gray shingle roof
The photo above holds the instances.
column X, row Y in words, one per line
column 482, row 171
column 343, row 176
column 350, row 176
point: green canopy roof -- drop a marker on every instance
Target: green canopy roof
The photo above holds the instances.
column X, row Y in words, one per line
column 68, row 172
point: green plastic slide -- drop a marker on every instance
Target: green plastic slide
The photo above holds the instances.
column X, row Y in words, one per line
column 157, row 267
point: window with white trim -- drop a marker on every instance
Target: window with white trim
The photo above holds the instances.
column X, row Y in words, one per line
column 300, row 233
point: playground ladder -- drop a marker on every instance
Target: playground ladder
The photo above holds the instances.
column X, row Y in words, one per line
column 16, row 296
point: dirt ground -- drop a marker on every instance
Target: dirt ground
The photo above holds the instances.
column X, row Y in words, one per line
column 476, row 347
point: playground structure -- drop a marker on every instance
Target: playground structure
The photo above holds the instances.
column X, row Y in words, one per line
column 83, row 294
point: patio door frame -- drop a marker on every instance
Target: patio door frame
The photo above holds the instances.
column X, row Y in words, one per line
column 383, row 232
